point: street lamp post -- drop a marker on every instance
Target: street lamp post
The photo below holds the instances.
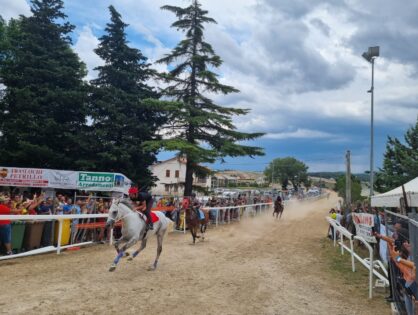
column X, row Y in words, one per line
column 370, row 55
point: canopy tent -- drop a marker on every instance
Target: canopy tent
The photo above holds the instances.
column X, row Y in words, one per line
column 57, row 179
column 392, row 198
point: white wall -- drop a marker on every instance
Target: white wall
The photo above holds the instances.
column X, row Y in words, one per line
column 173, row 165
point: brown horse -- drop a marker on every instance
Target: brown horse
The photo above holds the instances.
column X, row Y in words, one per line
column 278, row 209
column 194, row 222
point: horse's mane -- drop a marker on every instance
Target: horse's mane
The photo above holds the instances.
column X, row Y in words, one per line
column 127, row 203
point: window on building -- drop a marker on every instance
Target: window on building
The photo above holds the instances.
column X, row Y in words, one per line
column 176, row 187
column 167, row 173
column 177, row 174
column 167, row 188
column 201, row 180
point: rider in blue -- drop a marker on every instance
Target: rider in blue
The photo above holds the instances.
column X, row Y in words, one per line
column 142, row 197
column 195, row 204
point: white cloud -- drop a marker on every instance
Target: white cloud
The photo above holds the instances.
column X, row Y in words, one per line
column 300, row 133
column 85, row 45
column 13, row 8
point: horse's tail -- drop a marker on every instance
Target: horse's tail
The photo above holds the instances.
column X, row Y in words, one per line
column 170, row 225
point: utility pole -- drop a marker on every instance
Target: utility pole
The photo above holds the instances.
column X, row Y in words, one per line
column 348, row 179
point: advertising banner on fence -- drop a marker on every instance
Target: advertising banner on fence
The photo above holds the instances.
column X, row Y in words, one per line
column 62, row 179
column 364, row 223
column 103, row 182
column 23, row 177
column 383, row 248
column 56, row 179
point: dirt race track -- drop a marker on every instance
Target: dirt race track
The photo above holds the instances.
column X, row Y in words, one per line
column 258, row 266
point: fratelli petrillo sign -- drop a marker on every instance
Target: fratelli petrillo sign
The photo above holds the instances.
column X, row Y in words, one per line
column 59, row 179
column 102, row 180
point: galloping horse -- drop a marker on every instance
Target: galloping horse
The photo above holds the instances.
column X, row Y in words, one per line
column 278, row 209
column 194, row 221
column 134, row 229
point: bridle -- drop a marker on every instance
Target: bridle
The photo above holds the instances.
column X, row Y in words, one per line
column 116, row 219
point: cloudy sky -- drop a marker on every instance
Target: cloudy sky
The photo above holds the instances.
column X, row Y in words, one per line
column 297, row 64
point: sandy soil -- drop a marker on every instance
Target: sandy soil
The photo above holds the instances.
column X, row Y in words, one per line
column 258, row 266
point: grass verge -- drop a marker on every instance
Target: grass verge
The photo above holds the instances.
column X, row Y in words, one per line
column 355, row 283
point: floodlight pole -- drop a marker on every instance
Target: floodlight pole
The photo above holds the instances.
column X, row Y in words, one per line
column 371, row 54
column 372, row 134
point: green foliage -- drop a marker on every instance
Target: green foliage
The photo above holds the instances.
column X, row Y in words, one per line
column 122, row 121
column 199, row 129
column 355, row 188
column 400, row 163
column 287, row 170
column 43, row 109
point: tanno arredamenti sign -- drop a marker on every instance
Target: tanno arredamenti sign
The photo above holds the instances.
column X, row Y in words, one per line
column 47, row 178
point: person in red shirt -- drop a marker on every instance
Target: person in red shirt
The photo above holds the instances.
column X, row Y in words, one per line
column 5, row 226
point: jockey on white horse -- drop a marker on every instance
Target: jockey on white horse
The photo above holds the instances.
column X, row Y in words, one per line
column 146, row 201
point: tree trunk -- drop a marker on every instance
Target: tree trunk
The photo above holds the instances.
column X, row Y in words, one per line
column 188, row 185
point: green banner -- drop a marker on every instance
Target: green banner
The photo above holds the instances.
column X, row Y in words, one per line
column 101, row 180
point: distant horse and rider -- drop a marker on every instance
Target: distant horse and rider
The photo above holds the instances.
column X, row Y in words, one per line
column 136, row 226
column 278, row 208
column 195, row 217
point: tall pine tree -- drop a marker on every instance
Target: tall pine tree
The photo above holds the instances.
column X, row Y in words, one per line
column 43, row 111
column 400, row 163
column 122, row 122
column 200, row 130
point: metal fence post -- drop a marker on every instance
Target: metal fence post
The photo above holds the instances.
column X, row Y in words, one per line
column 59, row 236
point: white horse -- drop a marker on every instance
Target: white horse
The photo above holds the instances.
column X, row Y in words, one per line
column 134, row 229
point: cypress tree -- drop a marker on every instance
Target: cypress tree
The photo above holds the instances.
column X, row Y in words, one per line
column 43, row 110
column 200, row 130
column 122, row 122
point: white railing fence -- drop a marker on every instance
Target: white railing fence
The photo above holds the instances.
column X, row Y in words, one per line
column 369, row 263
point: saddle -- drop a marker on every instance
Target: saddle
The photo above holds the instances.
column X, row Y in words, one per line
column 200, row 214
column 154, row 217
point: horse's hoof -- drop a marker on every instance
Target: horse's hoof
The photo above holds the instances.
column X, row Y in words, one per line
column 112, row 268
column 152, row 268
column 130, row 258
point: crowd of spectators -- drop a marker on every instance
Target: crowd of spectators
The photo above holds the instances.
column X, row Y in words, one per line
column 400, row 264
column 40, row 204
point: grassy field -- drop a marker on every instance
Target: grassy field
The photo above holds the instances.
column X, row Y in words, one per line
column 357, row 283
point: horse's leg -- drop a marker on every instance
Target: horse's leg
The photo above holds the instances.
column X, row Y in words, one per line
column 128, row 244
column 203, row 229
column 281, row 212
column 117, row 243
column 141, row 248
column 160, row 237
column 197, row 229
column 192, row 232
